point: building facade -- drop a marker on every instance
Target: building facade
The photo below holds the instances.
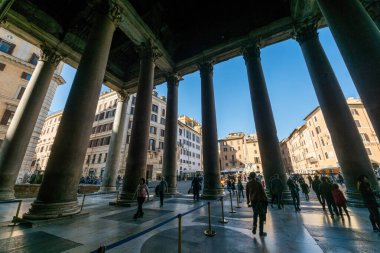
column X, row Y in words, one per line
column 239, row 152
column 18, row 60
column 309, row 147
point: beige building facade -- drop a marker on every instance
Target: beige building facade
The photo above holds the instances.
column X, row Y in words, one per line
column 239, row 152
column 18, row 60
column 309, row 147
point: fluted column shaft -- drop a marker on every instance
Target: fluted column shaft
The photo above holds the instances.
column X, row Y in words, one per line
column 358, row 40
column 263, row 115
column 211, row 170
column 138, row 146
column 116, row 142
column 21, row 128
column 58, row 192
column 170, row 146
column 347, row 142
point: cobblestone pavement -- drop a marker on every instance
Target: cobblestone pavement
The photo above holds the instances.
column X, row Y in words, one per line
column 311, row 230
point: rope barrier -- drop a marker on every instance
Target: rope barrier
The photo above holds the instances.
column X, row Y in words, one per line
column 99, row 193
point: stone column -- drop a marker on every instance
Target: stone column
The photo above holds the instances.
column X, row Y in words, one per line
column 212, row 186
column 358, row 40
column 57, row 196
column 348, row 145
column 138, row 146
column 113, row 159
column 373, row 9
column 5, row 5
column 264, row 121
column 169, row 167
column 17, row 138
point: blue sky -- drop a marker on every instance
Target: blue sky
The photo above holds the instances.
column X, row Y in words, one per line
column 289, row 86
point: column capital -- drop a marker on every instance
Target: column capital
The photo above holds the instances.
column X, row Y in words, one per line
column 111, row 9
column 251, row 52
column 206, row 67
column 372, row 7
column 305, row 32
column 146, row 51
column 173, row 78
column 50, row 55
column 122, row 95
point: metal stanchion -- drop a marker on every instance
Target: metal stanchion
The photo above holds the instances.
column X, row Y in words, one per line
column 179, row 233
column 209, row 231
column 16, row 219
column 117, row 197
column 238, row 200
column 84, row 196
column 223, row 220
column 232, row 208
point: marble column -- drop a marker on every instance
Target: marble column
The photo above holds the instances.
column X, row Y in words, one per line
column 114, row 154
column 17, row 138
column 358, row 40
column 169, row 167
column 57, row 196
column 373, row 9
column 264, row 121
column 212, row 186
column 345, row 137
column 139, row 142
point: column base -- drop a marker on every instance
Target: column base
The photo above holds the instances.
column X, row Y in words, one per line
column 212, row 193
column 172, row 191
column 354, row 199
column 42, row 211
column 286, row 197
column 7, row 194
column 107, row 189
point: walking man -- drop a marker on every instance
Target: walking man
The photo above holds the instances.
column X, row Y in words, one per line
column 294, row 190
column 315, row 185
column 162, row 188
column 196, row 185
column 326, row 191
column 259, row 202
column 277, row 188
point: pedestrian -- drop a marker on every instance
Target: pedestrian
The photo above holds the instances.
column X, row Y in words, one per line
column 277, row 187
column 240, row 189
column 315, row 185
column 258, row 200
column 369, row 199
column 142, row 192
column 310, row 179
column 162, row 189
column 229, row 185
column 233, row 187
column 294, row 191
column 196, row 186
column 305, row 190
column 326, row 192
column 340, row 200
column 340, row 179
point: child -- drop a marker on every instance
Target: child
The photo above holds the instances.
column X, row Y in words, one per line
column 305, row 189
column 340, row 200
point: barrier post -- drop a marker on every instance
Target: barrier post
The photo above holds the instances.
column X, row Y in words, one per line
column 84, row 196
column 238, row 200
column 117, row 197
column 15, row 219
column 209, row 232
column 232, row 208
column 222, row 220
column 179, row 233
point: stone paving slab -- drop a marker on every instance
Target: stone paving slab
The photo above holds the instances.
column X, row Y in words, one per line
column 36, row 242
column 180, row 201
column 127, row 216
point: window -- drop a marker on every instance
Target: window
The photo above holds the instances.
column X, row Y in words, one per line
column 162, row 133
column 315, row 118
column 100, row 158
column 225, row 149
column 326, row 155
column 132, row 110
column 239, row 148
column 152, row 144
column 2, row 66
column 357, row 123
column 153, row 130
column 6, row 46
column 231, row 148
column 322, row 141
column 368, row 151
column 155, row 108
column 318, row 129
column 161, row 145
column 7, row 117
column 227, row 164
column 105, row 157
column 316, row 145
column 180, row 131
column 88, row 159
column 107, row 140
column 225, row 157
column 354, row 111
column 26, row 76
column 365, row 137
column 133, row 100
column 153, row 117
column 33, row 59
column 130, row 124
column 163, row 113
column 93, row 158
column 163, row 121
column 101, row 116
column 257, row 160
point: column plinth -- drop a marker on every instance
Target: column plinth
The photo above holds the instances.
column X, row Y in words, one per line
column 138, row 145
column 21, row 128
column 358, row 40
column 264, row 121
column 57, row 196
column 169, row 167
column 113, row 160
column 212, row 187
column 345, row 137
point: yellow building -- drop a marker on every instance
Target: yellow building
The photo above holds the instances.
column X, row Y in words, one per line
column 310, row 147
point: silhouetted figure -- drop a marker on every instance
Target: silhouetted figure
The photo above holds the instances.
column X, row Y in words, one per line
column 162, row 188
column 294, row 191
column 196, row 185
column 315, row 185
column 369, row 200
column 276, row 188
column 340, row 200
column 326, row 192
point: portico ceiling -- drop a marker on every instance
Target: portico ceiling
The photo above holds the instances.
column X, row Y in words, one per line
column 184, row 32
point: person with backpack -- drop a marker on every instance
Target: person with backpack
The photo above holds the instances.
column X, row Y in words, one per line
column 162, row 189
column 340, row 200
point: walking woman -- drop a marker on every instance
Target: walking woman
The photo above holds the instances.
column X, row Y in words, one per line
column 142, row 192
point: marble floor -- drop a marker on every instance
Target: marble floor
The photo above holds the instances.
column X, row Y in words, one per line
column 311, row 230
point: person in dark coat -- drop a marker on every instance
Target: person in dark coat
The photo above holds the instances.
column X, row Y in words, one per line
column 326, row 192
column 315, row 185
column 340, row 200
column 310, row 179
column 305, row 190
column 196, row 185
column 258, row 200
column 162, row 189
column 277, row 187
column 294, row 191
column 369, row 199
column 240, row 189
